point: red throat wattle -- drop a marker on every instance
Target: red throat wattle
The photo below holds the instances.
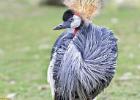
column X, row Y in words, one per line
column 75, row 32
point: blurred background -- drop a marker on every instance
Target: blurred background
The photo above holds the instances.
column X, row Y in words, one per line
column 26, row 39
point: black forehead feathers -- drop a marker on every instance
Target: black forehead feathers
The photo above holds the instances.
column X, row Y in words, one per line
column 67, row 14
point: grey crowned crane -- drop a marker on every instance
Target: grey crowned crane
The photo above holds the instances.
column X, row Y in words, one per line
column 83, row 57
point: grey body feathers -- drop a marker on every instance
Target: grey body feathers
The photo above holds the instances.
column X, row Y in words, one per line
column 85, row 64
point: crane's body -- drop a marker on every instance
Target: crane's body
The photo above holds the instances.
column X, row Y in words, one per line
column 83, row 59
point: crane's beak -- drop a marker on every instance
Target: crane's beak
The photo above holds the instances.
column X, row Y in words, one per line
column 64, row 25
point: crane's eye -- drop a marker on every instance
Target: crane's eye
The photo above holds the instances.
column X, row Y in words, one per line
column 71, row 19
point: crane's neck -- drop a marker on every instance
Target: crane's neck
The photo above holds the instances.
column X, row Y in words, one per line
column 73, row 31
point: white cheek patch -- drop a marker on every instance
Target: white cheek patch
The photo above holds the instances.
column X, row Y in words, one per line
column 77, row 21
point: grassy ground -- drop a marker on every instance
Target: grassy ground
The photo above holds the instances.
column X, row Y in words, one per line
column 26, row 38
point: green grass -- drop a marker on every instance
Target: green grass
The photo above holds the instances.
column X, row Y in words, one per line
column 26, row 38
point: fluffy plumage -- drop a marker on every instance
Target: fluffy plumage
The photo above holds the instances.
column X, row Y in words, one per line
column 85, row 64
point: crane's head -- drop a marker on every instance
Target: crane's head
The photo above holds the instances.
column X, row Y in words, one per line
column 71, row 20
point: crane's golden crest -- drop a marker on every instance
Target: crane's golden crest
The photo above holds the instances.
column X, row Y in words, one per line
column 86, row 8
